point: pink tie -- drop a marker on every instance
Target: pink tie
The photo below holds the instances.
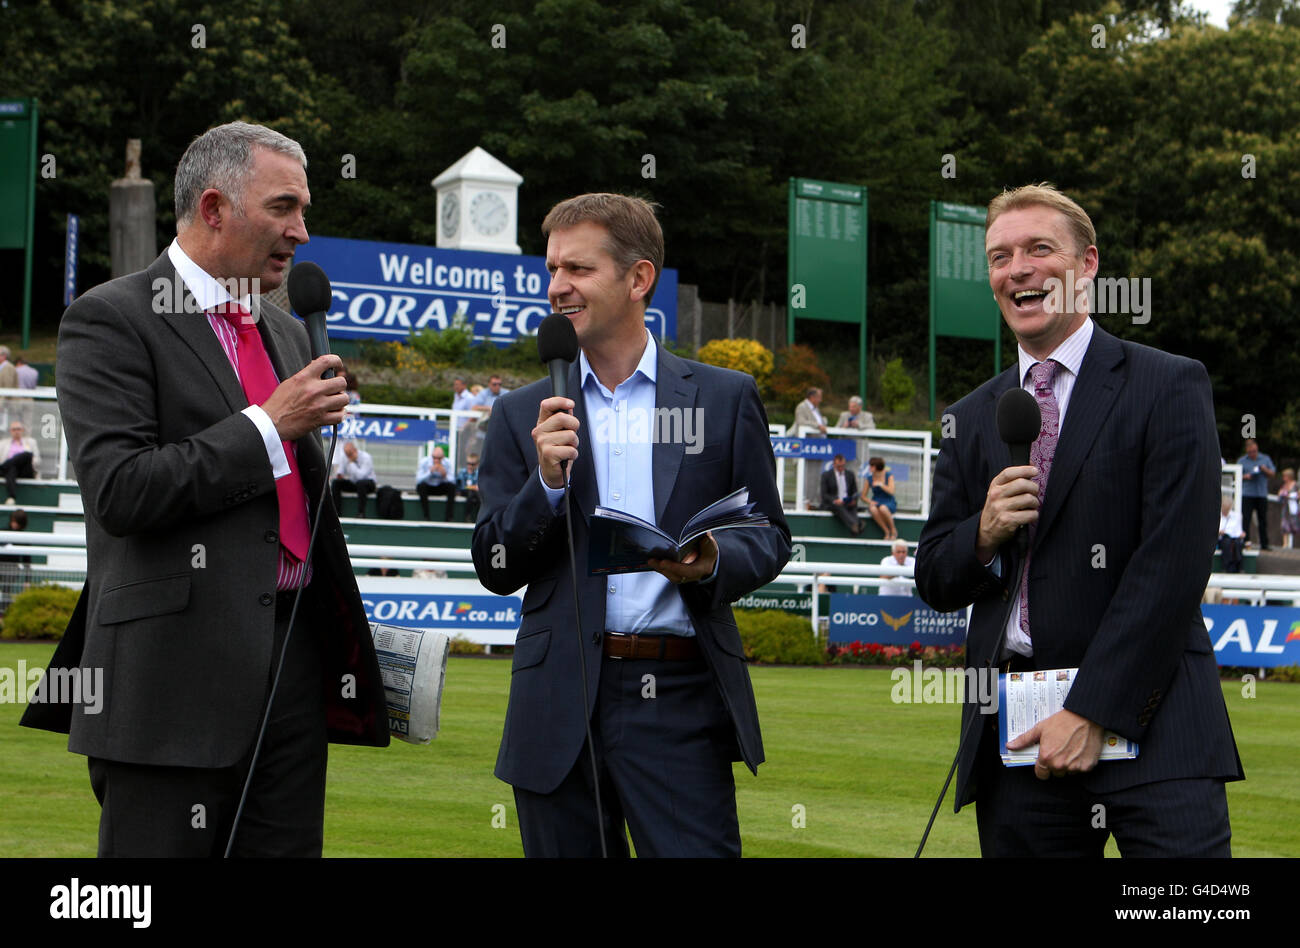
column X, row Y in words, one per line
column 1041, row 453
column 257, row 377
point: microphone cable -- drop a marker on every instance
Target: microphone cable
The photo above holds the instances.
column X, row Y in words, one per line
column 1022, row 543
column 284, row 647
column 582, row 662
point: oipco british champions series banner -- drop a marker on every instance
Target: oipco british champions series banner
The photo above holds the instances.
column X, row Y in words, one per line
column 1249, row 636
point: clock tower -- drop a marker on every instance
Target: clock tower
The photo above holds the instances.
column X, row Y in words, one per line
column 478, row 204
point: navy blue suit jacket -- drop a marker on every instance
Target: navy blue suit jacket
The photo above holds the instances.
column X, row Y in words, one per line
column 1119, row 562
column 520, row 540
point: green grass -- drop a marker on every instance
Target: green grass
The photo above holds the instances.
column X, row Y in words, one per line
column 864, row 771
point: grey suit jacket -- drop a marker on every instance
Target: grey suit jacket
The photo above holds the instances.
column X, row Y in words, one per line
column 1119, row 561
column 181, row 529
column 520, row 539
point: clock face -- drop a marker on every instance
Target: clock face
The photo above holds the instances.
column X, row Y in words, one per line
column 450, row 214
column 488, row 213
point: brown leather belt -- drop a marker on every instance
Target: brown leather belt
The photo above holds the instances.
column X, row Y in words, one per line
column 672, row 648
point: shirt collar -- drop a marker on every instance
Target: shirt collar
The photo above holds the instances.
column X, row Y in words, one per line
column 1069, row 353
column 647, row 365
column 207, row 291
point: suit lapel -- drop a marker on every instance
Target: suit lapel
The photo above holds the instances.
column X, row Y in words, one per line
column 674, row 398
column 192, row 326
column 1091, row 400
column 278, row 344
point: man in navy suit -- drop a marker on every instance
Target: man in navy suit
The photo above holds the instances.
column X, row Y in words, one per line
column 1120, row 502
column 669, row 698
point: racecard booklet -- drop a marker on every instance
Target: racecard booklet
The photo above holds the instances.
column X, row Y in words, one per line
column 1026, row 698
column 622, row 543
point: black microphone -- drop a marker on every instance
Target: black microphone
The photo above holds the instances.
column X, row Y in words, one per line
column 310, row 297
column 1019, row 423
column 557, row 346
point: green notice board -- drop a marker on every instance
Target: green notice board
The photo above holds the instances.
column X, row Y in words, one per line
column 18, row 189
column 15, row 172
column 961, row 303
column 827, row 257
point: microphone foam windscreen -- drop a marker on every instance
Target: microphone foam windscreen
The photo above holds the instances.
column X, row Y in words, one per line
column 309, row 289
column 557, row 339
column 1019, row 419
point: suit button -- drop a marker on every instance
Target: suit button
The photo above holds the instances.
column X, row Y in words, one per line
column 266, row 599
column 271, row 536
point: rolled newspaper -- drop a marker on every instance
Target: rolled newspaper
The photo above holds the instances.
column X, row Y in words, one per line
column 413, row 663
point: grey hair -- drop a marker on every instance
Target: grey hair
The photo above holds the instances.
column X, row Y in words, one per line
column 4, row 352
column 855, row 400
column 221, row 158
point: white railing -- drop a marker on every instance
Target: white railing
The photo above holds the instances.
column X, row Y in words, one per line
column 888, row 442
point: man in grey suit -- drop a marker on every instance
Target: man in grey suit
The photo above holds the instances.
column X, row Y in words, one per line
column 1119, row 500
column 807, row 414
column 669, row 698
column 192, row 423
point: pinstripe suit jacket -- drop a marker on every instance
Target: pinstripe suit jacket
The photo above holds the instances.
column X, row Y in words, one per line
column 1119, row 562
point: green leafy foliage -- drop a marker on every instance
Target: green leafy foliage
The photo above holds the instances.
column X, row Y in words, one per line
column 39, row 612
column 782, row 638
column 896, row 387
column 423, row 396
column 444, row 346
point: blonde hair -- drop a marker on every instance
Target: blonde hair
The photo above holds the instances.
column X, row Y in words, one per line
column 1044, row 194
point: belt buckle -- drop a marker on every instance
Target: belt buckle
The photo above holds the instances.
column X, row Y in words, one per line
column 617, row 636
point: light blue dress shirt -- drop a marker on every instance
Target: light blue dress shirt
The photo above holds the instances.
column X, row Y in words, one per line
column 620, row 436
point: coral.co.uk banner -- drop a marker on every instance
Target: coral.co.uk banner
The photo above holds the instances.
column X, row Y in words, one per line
column 818, row 449
column 1254, row 636
column 384, row 291
column 388, row 429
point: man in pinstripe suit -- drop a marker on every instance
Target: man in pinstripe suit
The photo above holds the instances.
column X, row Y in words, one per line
column 1120, row 503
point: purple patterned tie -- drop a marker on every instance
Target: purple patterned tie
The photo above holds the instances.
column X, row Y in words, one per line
column 1041, row 453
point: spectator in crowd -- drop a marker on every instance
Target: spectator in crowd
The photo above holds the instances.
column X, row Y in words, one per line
column 28, row 377
column 807, row 414
column 1256, row 469
column 855, row 417
column 21, row 455
column 467, row 481
column 462, row 399
column 1289, row 497
column 839, row 495
column 15, row 568
column 878, row 495
column 352, row 391
column 897, row 557
column 488, row 397
column 355, row 473
column 434, row 477
column 8, row 372
column 1231, row 537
